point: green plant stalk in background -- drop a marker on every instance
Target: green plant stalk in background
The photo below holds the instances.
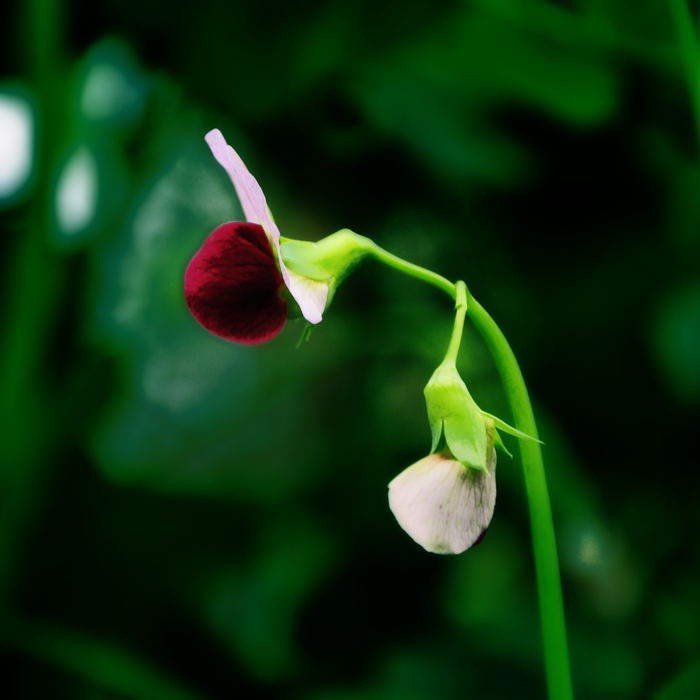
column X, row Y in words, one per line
column 551, row 604
column 34, row 282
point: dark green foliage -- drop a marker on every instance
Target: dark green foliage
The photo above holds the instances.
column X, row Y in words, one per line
column 181, row 517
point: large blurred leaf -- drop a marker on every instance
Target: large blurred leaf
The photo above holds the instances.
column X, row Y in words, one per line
column 439, row 95
column 676, row 340
column 684, row 685
column 254, row 611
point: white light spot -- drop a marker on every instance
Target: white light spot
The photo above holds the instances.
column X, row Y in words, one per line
column 76, row 197
column 16, row 144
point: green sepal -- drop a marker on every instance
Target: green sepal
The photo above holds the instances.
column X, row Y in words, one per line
column 436, row 430
column 452, row 412
column 327, row 260
column 498, row 442
column 305, row 335
column 502, row 425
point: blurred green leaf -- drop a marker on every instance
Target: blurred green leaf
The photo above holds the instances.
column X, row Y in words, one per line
column 684, row 685
column 676, row 340
column 254, row 611
column 112, row 88
column 485, row 595
column 439, row 94
column 94, row 661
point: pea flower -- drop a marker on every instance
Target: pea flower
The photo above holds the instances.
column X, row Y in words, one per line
column 444, row 505
column 236, row 284
column 446, row 500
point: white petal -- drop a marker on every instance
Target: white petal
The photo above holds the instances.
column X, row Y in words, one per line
column 311, row 295
column 444, row 506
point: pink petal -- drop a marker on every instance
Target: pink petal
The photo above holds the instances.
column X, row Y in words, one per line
column 309, row 294
column 247, row 188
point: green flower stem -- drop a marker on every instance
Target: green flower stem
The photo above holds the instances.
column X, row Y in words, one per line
column 458, row 328
column 556, row 655
column 544, row 544
column 33, row 279
column 412, row 270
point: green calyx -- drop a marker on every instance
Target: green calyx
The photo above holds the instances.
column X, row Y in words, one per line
column 452, row 412
column 328, row 260
column 469, row 433
column 454, row 416
column 502, row 425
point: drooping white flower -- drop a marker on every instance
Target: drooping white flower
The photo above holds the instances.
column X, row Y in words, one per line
column 443, row 505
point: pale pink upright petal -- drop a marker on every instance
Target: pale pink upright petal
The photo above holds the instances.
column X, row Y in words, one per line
column 249, row 192
column 309, row 294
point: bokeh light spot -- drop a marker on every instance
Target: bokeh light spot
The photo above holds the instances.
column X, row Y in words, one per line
column 16, row 144
column 76, row 195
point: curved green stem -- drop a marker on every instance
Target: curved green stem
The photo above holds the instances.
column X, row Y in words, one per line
column 556, row 655
column 544, row 544
column 412, row 270
column 458, row 328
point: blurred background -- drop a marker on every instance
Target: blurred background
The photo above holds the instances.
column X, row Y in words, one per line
column 184, row 518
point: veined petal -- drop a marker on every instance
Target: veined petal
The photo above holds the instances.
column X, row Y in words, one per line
column 232, row 285
column 308, row 293
column 443, row 505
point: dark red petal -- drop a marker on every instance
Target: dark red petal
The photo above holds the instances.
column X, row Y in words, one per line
column 232, row 285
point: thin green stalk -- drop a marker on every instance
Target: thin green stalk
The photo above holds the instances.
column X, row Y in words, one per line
column 551, row 605
column 458, row 328
column 544, row 544
column 32, row 281
column 412, row 270
column 688, row 42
